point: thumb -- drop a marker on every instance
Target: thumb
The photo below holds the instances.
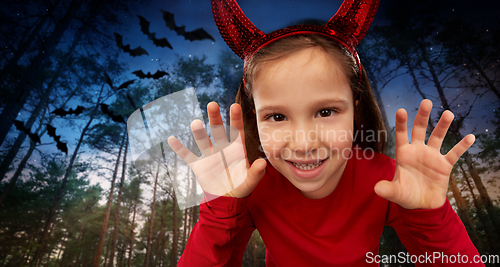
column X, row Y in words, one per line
column 256, row 172
column 253, row 176
column 387, row 190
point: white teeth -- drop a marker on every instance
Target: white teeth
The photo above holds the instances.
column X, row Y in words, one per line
column 306, row 167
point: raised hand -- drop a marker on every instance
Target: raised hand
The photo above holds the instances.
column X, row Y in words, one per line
column 422, row 172
column 223, row 169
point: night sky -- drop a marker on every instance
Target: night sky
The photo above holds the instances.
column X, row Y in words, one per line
column 269, row 16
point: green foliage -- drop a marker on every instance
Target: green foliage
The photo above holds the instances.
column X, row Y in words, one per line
column 193, row 71
column 229, row 74
column 25, row 211
column 490, row 144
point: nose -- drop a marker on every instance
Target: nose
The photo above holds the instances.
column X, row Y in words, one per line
column 304, row 138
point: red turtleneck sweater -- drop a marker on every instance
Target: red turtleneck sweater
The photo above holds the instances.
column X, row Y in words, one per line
column 343, row 228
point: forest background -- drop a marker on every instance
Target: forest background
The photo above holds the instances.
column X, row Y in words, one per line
column 70, row 192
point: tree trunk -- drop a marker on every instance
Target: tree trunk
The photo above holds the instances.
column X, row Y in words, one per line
column 132, row 232
column 24, row 259
column 491, row 86
column 18, row 172
column 60, row 193
column 60, row 250
column 35, row 70
column 121, row 259
column 106, row 254
column 151, row 220
column 454, row 128
column 163, row 243
column 4, row 167
column 97, row 256
column 175, row 231
column 191, row 219
column 186, row 211
column 44, row 247
column 478, row 207
column 159, row 253
column 413, row 76
column 195, row 209
column 465, row 216
column 79, row 239
column 485, row 198
column 118, row 202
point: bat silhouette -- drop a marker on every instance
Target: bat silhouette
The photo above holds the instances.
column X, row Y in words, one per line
column 139, row 51
column 60, row 145
column 158, row 74
column 61, row 112
column 132, row 103
column 198, row 34
column 122, row 86
column 20, row 126
column 115, row 118
column 163, row 42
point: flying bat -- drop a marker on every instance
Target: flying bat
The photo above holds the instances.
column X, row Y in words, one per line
column 163, row 42
column 198, row 34
column 139, row 51
column 158, row 74
column 20, row 126
column 61, row 112
column 115, row 118
column 122, row 86
column 60, row 145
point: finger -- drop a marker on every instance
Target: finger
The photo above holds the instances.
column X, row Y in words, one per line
column 181, row 150
column 201, row 137
column 388, row 190
column 236, row 118
column 237, row 122
column 456, row 152
column 216, row 124
column 237, row 127
column 214, row 114
column 254, row 175
column 256, row 172
column 421, row 119
column 401, row 132
column 439, row 132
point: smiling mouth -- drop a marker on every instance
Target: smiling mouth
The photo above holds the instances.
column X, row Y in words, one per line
column 306, row 167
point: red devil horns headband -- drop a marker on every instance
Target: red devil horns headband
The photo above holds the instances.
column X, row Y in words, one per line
column 348, row 27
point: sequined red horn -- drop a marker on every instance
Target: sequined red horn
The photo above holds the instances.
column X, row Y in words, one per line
column 236, row 29
column 353, row 19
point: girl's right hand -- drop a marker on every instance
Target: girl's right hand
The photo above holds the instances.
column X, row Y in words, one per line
column 223, row 168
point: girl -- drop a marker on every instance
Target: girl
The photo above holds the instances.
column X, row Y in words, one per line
column 315, row 184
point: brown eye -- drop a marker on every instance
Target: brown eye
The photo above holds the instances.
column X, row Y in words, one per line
column 326, row 113
column 278, row 117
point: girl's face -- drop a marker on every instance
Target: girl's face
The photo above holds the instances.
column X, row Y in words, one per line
column 305, row 112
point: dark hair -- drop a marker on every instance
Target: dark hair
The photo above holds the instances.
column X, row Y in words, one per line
column 367, row 115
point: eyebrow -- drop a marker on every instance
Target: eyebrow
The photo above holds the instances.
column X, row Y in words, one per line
column 319, row 103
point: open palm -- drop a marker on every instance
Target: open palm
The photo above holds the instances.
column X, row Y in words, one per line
column 223, row 169
column 422, row 172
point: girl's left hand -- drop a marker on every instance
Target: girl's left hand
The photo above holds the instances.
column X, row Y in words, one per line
column 422, row 172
